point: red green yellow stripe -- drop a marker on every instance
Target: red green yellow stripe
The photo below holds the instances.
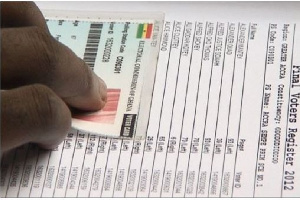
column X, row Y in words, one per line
column 144, row 31
column 149, row 30
column 140, row 31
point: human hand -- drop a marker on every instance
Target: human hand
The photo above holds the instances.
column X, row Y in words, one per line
column 40, row 79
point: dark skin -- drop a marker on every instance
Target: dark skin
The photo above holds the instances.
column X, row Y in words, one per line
column 41, row 79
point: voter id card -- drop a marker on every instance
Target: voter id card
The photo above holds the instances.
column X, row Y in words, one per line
column 123, row 52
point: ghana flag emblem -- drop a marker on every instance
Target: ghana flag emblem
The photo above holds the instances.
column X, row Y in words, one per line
column 144, row 31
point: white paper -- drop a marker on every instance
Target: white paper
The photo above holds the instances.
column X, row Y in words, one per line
column 224, row 122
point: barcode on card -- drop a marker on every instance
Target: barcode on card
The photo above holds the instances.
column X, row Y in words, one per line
column 92, row 44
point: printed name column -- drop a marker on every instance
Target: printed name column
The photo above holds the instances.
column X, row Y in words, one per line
column 106, row 146
column 144, row 150
column 131, row 171
column 250, row 112
column 111, row 167
column 201, row 108
column 189, row 113
column 132, row 178
column 232, row 130
column 215, row 65
column 88, row 166
column 99, row 167
column 17, row 171
column 65, row 164
column 291, row 173
column 52, row 170
column 223, row 117
column 40, row 173
column 28, row 172
column 167, row 111
column 179, row 105
column 212, row 110
column 144, row 171
column 123, row 166
column 133, row 148
column 77, row 163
